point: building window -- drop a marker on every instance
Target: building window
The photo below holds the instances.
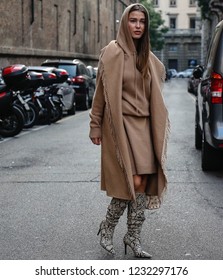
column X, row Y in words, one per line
column 173, row 3
column 69, row 29
column 41, row 14
column 192, row 23
column 192, row 3
column 75, row 17
column 173, row 23
column 156, row 3
column 32, row 12
column 193, row 47
column 173, row 47
column 56, row 26
column 173, row 64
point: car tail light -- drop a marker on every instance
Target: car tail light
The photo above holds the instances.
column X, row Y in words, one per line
column 52, row 76
column 63, row 72
column 216, row 88
column 38, row 75
column 2, row 94
column 78, row 79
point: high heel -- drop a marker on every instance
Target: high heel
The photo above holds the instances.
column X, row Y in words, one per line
column 136, row 218
column 115, row 209
column 106, row 237
column 134, row 243
column 125, row 248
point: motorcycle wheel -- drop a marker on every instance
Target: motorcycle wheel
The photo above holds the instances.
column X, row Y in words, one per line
column 31, row 116
column 56, row 113
column 12, row 124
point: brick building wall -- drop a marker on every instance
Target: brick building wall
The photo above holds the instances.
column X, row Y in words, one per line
column 34, row 30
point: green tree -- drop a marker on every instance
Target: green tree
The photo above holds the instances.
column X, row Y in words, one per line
column 157, row 28
column 205, row 9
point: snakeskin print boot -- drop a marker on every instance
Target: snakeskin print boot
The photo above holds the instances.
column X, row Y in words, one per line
column 136, row 217
column 115, row 210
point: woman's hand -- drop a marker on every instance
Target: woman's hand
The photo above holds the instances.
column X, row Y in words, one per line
column 96, row 140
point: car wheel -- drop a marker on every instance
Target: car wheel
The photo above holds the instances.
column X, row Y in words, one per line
column 210, row 157
column 56, row 113
column 198, row 135
column 91, row 100
column 86, row 102
column 72, row 110
column 189, row 89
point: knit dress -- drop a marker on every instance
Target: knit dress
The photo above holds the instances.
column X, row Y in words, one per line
column 136, row 119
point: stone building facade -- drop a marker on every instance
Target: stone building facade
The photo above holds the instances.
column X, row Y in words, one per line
column 34, row 30
column 182, row 47
column 208, row 25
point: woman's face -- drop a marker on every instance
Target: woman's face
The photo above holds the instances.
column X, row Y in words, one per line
column 136, row 24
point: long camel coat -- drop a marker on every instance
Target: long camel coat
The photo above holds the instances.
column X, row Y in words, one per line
column 107, row 122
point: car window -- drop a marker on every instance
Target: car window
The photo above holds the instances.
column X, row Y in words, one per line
column 71, row 69
column 90, row 74
column 213, row 45
column 218, row 63
column 82, row 70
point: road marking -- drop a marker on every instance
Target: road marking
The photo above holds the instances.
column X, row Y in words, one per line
column 192, row 96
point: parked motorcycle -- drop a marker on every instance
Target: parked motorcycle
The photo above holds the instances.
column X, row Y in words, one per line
column 27, row 97
column 22, row 98
column 11, row 116
column 48, row 97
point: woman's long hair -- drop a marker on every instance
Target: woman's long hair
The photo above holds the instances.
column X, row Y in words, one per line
column 144, row 42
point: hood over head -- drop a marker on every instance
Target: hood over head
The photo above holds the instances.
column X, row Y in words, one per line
column 124, row 37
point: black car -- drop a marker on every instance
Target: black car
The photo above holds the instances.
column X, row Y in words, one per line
column 93, row 74
column 168, row 75
column 80, row 80
column 69, row 95
column 192, row 84
column 1, row 79
column 209, row 104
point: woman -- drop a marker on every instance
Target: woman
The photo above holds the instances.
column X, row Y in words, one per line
column 130, row 120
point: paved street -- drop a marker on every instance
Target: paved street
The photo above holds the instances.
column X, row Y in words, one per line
column 51, row 204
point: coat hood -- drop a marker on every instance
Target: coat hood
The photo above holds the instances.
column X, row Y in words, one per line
column 124, row 37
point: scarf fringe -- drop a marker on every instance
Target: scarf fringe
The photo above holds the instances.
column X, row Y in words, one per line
column 117, row 150
column 155, row 201
column 166, row 139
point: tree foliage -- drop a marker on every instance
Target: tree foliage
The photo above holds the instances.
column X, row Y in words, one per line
column 205, row 9
column 157, row 28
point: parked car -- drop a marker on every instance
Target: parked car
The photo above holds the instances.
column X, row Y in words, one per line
column 185, row 73
column 173, row 73
column 209, row 104
column 96, row 70
column 69, row 94
column 192, row 84
column 93, row 74
column 1, row 80
column 80, row 80
column 168, row 75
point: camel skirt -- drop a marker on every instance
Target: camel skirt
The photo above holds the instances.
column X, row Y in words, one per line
column 140, row 145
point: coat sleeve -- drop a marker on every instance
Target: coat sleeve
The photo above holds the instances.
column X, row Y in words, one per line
column 97, row 111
